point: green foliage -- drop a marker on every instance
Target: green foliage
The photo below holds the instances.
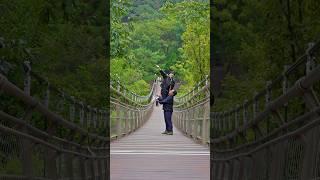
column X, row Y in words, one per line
column 126, row 74
column 140, row 86
column 259, row 38
column 13, row 166
column 63, row 39
column 119, row 29
column 172, row 34
column 194, row 62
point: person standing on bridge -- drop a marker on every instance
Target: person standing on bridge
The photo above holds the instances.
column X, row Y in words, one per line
column 168, row 109
column 167, row 86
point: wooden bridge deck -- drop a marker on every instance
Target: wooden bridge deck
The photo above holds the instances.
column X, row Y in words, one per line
column 148, row 155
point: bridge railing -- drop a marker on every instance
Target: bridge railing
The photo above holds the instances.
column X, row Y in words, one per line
column 186, row 97
column 47, row 134
column 275, row 134
column 117, row 86
column 191, row 114
column 129, row 111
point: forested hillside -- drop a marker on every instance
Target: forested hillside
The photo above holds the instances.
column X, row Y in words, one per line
column 65, row 41
column 255, row 39
column 172, row 34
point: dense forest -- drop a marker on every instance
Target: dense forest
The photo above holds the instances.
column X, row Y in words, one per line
column 173, row 34
column 253, row 40
column 65, row 41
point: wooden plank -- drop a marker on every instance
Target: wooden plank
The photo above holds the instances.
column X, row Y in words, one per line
column 148, row 155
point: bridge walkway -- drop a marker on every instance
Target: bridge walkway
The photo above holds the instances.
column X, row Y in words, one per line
column 146, row 154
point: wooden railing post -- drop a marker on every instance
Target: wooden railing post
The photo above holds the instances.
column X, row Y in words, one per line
column 181, row 120
column 26, row 151
column 310, row 97
column 82, row 170
column 51, row 162
column 94, row 167
column 205, row 123
column 136, row 114
column 128, row 119
column 72, row 109
column 221, row 132
column 105, row 119
column 198, row 121
column 236, row 116
column 141, row 117
column 213, row 124
column 232, row 119
column 268, row 99
column 229, row 120
column 81, row 114
column 88, row 117
column 69, row 158
column 95, row 119
column 118, row 121
column 310, row 65
column 99, row 166
column 127, row 125
column 194, row 123
column 255, row 105
column 191, row 122
column 245, row 112
column 187, row 119
column 224, row 122
column 101, row 120
column 184, row 121
column 137, row 120
column 218, row 123
column 285, row 86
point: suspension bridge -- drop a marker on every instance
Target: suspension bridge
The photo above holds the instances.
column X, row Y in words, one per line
column 140, row 152
column 49, row 134
column 45, row 133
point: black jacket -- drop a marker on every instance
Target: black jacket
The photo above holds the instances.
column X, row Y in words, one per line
column 167, row 102
column 166, row 85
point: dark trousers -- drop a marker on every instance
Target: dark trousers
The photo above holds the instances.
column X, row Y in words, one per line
column 167, row 118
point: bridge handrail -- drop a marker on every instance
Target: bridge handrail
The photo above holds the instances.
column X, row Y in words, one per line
column 270, row 84
column 53, row 88
column 9, row 88
column 191, row 116
column 64, row 138
column 133, row 100
column 120, row 88
column 131, row 107
column 301, row 85
column 294, row 133
column 43, row 134
column 272, row 133
column 190, row 100
column 128, row 113
column 185, row 97
column 276, row 127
